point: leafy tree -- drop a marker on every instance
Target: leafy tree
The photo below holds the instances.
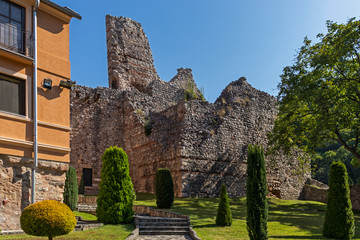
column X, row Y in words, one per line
column 256, row 191
column 164, row 188
column 223, row 216
column 339, row 218
column 71, row 189
column 332, row 152
column 116, row 195
column 319, row 95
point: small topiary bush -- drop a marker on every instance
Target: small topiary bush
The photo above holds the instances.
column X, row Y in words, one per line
column 116, row 195
column 47, row 218
column 71, row 189
column 164, row 188
column 339, row 217
column 256, row 191
column 223, row 216
column 81, row 189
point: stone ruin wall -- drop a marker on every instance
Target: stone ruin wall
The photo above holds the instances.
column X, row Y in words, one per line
column 203, row 144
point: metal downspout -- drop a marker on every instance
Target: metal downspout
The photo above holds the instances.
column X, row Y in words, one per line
column 33, row 172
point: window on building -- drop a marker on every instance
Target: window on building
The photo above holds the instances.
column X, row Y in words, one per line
column 12, row 95
column 87, row 175
column 12, row 26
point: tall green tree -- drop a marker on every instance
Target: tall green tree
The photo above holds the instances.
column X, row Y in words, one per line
column 256, row 191
column 70, row 189
column 223, row 216
column 339, row 218
column 319, row 95
column 116, row 195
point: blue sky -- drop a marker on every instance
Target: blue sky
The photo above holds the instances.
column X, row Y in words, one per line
column 219, row 40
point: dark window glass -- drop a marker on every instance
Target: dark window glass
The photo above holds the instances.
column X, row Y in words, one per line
column 16, row 13
column 87, row 175
column 4, row 8
column 12, row 26
column 12, row 95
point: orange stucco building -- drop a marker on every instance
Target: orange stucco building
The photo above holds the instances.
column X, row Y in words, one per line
column 17, row 104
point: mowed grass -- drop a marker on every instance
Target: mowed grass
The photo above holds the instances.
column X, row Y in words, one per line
column 287, row 220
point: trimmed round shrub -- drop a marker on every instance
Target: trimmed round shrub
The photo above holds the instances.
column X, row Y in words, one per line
column 339, row 217
column 116, row 195
column 71, row 189
column 223, row 216
column 47, row 218
column 164, row 188
column 256, row 191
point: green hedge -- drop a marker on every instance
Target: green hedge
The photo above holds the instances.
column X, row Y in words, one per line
column 164, row 188
column 71, row 189
column 223, row 216
column 256, row 191
column 116, row 195
column 339, row 217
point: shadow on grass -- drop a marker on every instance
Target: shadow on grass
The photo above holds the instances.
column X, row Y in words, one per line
column 297, row 237
column 206, row 226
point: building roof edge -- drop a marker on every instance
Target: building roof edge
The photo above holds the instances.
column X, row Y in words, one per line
column 66, row 10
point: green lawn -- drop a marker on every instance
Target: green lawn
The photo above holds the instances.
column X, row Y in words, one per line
column 287, row 220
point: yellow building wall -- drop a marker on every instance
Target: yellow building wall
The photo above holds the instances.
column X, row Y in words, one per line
column 16, row 132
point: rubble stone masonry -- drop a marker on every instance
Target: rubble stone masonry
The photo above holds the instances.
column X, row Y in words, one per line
column 15, row 188
column 202, row 143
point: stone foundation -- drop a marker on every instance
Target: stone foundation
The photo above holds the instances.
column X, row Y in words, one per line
column 317, row 191
column 15, row 190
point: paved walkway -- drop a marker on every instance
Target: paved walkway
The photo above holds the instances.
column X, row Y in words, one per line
column 162, row 237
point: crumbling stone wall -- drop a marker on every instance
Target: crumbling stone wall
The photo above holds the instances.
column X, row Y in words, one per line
column 202, row 143
column 130, row 60
column 15, row 190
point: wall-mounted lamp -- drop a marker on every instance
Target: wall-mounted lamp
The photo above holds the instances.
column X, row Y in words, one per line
column 67, row 84
column 47, row 83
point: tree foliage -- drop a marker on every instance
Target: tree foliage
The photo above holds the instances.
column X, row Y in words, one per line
column 333, row 151
column 71, row 189
column 47, row 218
column 319, row 95
column 223, row 216
column 256, row 191
column 164, row 188
column 116, row 195
column 339, row 218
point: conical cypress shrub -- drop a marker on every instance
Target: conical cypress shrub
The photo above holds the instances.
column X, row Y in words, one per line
column 223, row 216
column 116, row 195
column 256, row 191
column 81, row 189
column 164, row 188
column 70, row 190
column 339, row 217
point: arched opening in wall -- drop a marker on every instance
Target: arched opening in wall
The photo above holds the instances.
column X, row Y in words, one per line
column 114, row 84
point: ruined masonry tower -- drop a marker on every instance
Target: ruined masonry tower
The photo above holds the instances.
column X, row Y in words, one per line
column 130, row 60
column 202, row 143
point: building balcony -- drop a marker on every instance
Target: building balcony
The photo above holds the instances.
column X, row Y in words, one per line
column 16, row 39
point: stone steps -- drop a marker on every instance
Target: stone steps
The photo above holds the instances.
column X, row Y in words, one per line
column 162, row 226
column 83, row 207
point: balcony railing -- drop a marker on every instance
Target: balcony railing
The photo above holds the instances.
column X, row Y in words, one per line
column 16, row 39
